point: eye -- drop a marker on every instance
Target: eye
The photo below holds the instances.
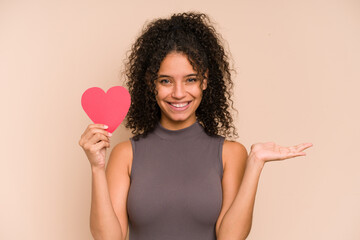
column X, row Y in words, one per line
column 192, row 80
column 164, row 81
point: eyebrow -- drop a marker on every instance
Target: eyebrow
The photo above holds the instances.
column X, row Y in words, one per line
column 189, row 75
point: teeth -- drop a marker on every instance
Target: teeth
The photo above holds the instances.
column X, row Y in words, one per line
column 179, row 105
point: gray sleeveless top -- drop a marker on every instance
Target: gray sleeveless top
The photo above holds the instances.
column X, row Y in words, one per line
column 175, row 185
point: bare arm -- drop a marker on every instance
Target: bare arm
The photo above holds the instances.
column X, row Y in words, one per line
column 104, row 223
column 236, row 223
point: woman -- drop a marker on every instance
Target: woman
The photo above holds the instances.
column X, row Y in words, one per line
column 177, row 178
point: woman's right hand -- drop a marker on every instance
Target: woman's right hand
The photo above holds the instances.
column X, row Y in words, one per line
column 94, row 141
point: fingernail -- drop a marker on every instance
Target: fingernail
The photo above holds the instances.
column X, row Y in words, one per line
column 109, row 134
column 105, row 126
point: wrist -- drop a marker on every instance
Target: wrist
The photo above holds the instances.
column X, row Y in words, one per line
column 96, row 169
column 255, row 161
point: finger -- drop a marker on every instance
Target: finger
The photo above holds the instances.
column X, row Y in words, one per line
column 299, row 147
column 290, row 155
column 299, row 154
column 303, row 146
column 103, row 126
column 98, row 137
column 100, row 126
column 90, row 127
column 94, row 138
column 101, row 145
column 93, row 131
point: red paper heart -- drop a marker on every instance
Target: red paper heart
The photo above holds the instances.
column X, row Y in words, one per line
column 108, row 108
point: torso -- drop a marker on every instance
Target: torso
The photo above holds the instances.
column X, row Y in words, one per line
column 129, row 162
column 174, row 185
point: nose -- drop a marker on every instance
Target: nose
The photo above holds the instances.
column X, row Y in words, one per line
column 179, row 90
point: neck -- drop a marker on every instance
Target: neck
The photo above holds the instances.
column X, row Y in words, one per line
column 176, row 125
column 183, row 134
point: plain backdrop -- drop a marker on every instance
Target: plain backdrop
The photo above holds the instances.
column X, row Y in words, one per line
column 297, row 80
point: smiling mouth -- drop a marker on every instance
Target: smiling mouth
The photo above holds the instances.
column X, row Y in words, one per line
column 179, row 106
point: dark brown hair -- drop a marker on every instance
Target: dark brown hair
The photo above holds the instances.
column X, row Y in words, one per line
column 192, row 34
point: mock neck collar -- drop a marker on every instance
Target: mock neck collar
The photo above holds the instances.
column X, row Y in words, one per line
column 190, row 131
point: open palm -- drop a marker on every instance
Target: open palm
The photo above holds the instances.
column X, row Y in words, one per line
column 270, row 151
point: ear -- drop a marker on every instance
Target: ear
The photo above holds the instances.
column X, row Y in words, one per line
column 204, row 82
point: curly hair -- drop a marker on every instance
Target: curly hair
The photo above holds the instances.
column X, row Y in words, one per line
column 193, row 35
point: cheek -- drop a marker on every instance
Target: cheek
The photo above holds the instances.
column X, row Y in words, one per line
column 161, row 93
column 196, row 91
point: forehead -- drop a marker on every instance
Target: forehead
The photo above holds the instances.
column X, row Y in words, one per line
column 176, row 64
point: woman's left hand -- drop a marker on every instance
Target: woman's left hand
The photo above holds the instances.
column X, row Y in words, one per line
column 270, row 151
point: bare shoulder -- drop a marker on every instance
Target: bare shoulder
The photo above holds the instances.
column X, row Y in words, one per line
column 123, row 147
column 233, row 151
column 121, row 156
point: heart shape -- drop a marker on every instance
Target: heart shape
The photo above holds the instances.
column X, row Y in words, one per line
column 108, row 108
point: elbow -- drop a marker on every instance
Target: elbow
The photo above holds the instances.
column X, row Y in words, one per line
column 105, row 231
column 235, row 234
column 245, row 233
column 99, row 234
column 96, row 232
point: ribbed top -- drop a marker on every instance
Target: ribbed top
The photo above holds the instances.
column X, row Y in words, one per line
column 193, row 130
column 175, row 185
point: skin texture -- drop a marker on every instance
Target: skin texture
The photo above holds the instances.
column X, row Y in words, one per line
column 178, row 84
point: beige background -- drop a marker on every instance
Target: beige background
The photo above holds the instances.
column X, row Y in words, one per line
column 297, row 80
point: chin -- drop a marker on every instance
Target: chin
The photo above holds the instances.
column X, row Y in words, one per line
column 178, row 119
